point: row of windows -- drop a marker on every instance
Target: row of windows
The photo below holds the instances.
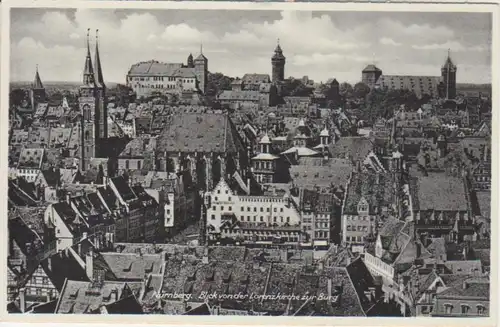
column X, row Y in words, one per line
column 264, row 165
column 322, row 225
column 354, row 238
column 464, row 308
column 321, row 234
column 249, row 209
column 350, row 228
column 261, row 219
column 360, row 218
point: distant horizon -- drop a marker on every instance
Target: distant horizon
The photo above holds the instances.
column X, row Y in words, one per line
column 319, row 44
column 112, row 82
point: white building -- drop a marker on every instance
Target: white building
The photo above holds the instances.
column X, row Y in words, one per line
column 252, row 218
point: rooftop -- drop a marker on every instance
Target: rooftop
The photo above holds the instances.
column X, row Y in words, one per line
column 375, row 188
column 439, row 192
column 199, row 133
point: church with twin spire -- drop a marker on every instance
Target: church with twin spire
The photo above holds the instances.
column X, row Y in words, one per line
column 92, row 108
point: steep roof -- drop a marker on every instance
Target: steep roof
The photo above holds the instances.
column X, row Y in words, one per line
column 203, row 133
column 371, row 68
column 37, row 83
column 153, row 67
column 356, row 148
column 439, row 192
column 256, row 78
column 374, row 187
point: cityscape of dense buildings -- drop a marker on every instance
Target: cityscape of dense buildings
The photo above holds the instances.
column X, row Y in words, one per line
column 302, row 203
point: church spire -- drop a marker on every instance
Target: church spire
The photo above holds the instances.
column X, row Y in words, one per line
column 88, row 71
column 99, row 79
column 37, row 82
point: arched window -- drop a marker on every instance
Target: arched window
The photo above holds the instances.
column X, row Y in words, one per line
column 86, row 112
column 126, row 164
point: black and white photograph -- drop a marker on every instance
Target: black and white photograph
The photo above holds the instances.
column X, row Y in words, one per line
column 249, row 162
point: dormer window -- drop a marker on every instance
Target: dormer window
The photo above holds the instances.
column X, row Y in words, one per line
column 363, row 207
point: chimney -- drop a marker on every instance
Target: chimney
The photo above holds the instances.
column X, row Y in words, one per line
column 248, row 186
column 80, row 247
column 22, row 300
column 89, row 264
column 49, row 263
column 68, row 197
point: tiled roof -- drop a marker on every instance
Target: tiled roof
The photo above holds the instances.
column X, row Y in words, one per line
column 185, row 72
column 33, row 217
column 479, row 290
column 154, row 68
column 440, row 192
column 463, row 267
column 418, row 84
column 31, row 158
column 139, row 146
column 256, row 78
column 375, row 188
column 308, row 176
column 202, row 133
column 84, row 297
column 131, row 266
column 356, row 148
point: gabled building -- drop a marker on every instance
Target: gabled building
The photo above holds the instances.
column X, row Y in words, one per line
column 251, row 219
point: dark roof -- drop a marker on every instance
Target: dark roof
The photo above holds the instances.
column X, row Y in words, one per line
column 127, row 305
column 48, row 307
column 123, row 188
column 109, row 197
column 375, row 188
column 27, row 240
column 362, row 279
column 371, row 68
column 62, row 266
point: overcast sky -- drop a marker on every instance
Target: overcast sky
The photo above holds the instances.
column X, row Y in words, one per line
column 320, row 45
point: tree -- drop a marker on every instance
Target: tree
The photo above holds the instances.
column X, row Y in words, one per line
column 361, row 90
column 295, row 87
column 217, row 82
column 123, row 95
column 346, row 90
column 17, row 97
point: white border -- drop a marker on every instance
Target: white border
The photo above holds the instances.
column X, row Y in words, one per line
column 422, row 6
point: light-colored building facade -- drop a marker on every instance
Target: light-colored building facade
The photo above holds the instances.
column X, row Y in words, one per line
column 148, row 77
column 251, row 218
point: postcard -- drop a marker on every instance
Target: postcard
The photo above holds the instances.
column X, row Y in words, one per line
column 198, row 162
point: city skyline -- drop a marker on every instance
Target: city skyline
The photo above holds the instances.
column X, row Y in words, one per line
column 344, row 42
